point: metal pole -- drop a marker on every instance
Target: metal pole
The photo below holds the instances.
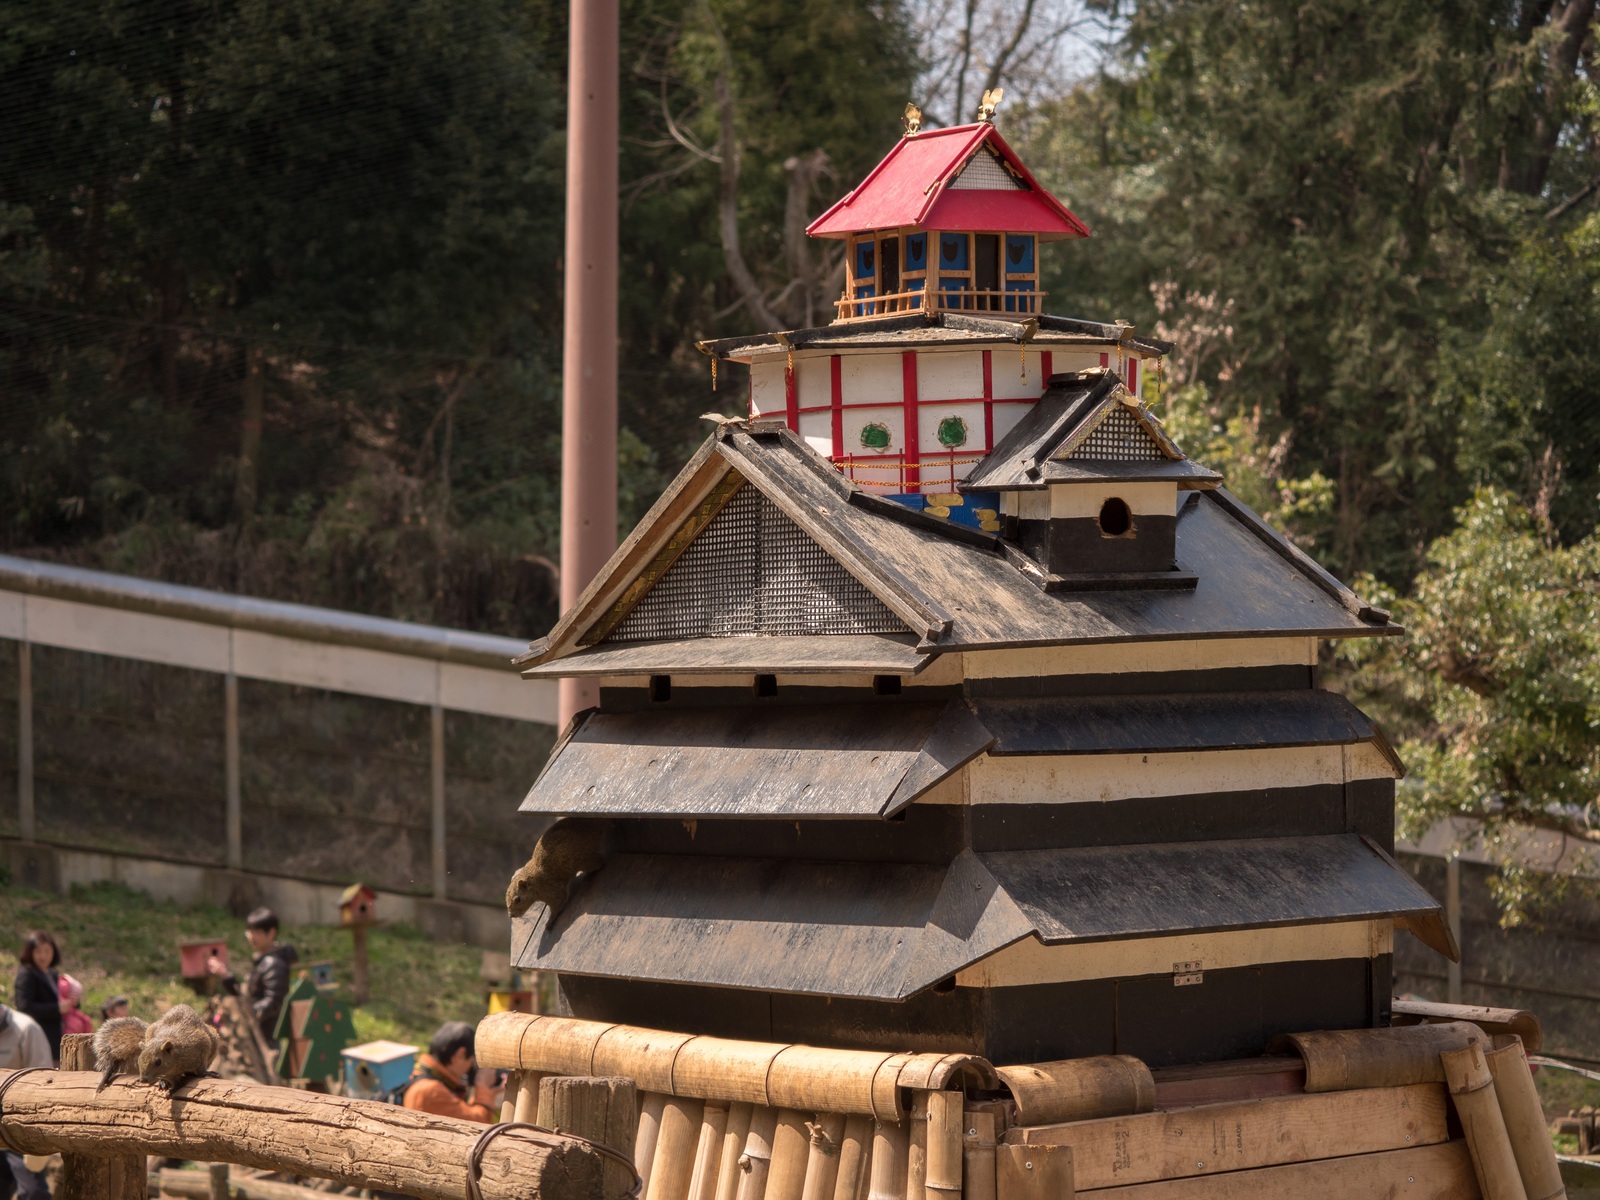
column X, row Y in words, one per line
column 230, row 751
column 589, row 350
column 1452, row 914
column 25, row 822
column 437, row 754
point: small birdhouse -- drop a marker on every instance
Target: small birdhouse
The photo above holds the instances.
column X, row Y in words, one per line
column 193, row 958
column 356, row 905
column 321, row 974
column 377, row 1067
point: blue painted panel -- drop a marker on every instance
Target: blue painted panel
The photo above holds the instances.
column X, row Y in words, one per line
column 953, row 252
column 916, row 252
column 975, row 510
column 1019, row 252
column 866, row 260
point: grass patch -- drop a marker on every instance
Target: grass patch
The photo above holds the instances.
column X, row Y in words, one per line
column 116, row 940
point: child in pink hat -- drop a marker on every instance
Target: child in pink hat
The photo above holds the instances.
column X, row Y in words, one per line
column 73, row 1019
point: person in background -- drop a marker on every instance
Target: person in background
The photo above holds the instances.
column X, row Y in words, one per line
column 38, row 989
column 22, row 1044
column 440, row 1083
column 117, row 1006
column 73, row 1018
column 268, row 982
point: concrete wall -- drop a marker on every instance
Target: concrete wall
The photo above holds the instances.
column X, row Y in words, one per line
column 297, row 902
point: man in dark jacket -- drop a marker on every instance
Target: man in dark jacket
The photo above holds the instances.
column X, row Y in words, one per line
column 268, row 982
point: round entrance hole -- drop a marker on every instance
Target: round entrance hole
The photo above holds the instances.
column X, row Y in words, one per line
column 1115, row 519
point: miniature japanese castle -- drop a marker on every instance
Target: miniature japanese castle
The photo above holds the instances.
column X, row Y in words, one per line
column 946, row 705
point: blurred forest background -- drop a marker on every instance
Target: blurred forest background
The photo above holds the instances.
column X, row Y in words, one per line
column 280, row 295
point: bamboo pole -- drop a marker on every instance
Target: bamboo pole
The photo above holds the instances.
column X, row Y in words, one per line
column 1079, row 1089
column 917, row 1147
column 119, row 1177
column 708, row 1153
column 730, row 1172
column 822, row 1165
column 644, row 1147
column 1524, row 1118
column 791, row 1148
column 1472, row 1088
column 676, row 1141
column 359, row 1143
column 890, row 1149
column 855, row 1149
column 756, row 1161
column 1345, row 1059
column 978, row 1157
column 526, row 1111
column 943, row 1170
column 508, row 1102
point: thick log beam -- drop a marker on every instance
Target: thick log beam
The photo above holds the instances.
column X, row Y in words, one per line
column 360, row 1143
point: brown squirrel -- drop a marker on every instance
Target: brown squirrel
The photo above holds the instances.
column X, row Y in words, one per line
column 178, row 1045
column 116, row 1048
column 567, row 849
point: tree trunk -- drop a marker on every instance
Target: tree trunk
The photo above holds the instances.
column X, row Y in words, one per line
column 252, row 395
column 359, row 1143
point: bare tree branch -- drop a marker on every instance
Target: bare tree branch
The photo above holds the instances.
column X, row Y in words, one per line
column 678, row 135
column 997, row 68
column 966, row 57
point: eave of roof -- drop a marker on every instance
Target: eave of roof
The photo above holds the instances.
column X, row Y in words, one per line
column 942, row 329
column 910, row 187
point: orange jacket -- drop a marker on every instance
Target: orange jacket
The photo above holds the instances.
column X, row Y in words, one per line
column 437, row 1090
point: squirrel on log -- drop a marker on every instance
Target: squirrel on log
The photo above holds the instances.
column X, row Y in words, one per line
column 180, row 1044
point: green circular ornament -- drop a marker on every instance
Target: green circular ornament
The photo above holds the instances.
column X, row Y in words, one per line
column 953, row 432
column 875, row 436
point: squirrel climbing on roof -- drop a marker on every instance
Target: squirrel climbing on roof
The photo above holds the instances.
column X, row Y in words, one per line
column 116, row 1048
column 567, row 849
column 179, row 1044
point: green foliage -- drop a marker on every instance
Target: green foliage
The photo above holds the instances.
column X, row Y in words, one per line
column 1497, row 692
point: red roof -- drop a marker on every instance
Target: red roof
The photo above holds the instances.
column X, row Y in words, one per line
column 911, row 187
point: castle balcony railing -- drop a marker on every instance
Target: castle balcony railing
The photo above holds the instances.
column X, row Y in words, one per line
column 1017, row 304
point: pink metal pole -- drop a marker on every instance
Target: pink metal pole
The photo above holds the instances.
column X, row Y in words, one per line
column 589, row 351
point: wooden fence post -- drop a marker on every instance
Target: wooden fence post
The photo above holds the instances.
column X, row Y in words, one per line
column 120, row 1177
column 602, row 1110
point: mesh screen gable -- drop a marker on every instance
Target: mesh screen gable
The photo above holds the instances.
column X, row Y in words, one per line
column 985, row 172
column 753, row 571
column 1119, row 438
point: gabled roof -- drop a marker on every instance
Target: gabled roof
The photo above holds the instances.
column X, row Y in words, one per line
column 1052, row 443
column 953, row 588
column 911, row 186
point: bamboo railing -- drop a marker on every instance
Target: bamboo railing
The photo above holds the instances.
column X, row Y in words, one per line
column 992, row 302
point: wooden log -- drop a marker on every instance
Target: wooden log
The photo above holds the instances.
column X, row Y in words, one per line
column 1517, row 1021
column 822, row 1163
column 756, row 1161
column 358, row 1143
column 1524, row 1118
column 917, row 1147
column 708, row 1151
column 652, row 1105
column 218, row 1181
column 978, row 1156
column 1147, row 1147
column 855, row 1151
column 791, row 1150
column 1034, row 1172
column 604, row 1110
column 1341, row 1059
column 1472, row 1088
column 730, row 1174
column 196, row 1185
column 942, row 1177
column 106, row 1177
column 676, row 1142
column 890, row 1148
column 1442, row 1172
column 1078, row 1089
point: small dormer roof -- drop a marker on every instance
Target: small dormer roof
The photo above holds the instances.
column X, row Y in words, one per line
column 1087, row 427
column 923, row 182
